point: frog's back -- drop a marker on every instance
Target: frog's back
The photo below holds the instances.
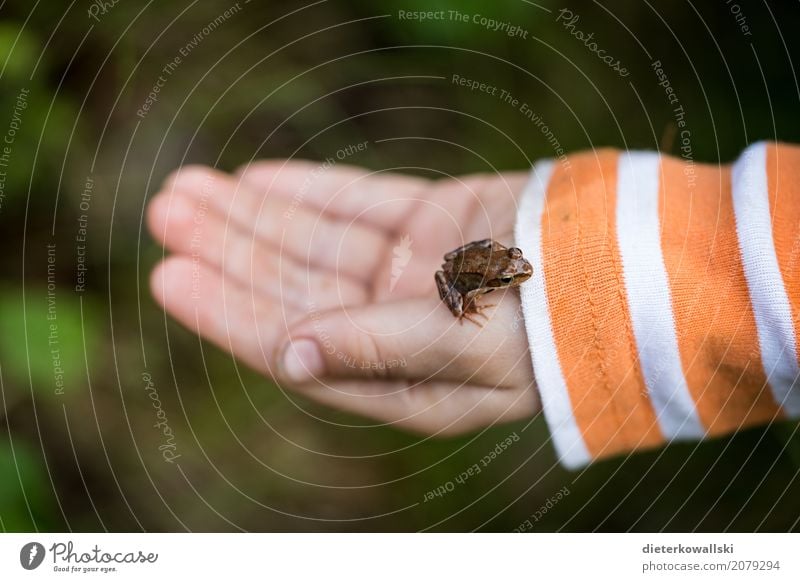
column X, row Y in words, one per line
column 469, row 270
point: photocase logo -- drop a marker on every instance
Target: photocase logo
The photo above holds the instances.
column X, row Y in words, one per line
column 401, row 256
column 31, row 555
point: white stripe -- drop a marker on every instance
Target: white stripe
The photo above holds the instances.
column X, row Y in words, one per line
column 649, row 298
column 557, row 407
column 767, row 294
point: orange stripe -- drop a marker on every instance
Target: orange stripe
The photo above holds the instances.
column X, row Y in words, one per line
column 783, row 172
column 714, row 320
column 586, row 296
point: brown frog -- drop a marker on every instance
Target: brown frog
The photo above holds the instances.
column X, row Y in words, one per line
column 475, row 269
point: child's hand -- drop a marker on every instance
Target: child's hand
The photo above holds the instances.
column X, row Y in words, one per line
column 323, row 278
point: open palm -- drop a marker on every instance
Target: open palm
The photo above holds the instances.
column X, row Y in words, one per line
column 341, row 261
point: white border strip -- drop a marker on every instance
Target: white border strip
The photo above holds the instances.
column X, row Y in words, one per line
column 648, row 294
column 358, row 557
column 767, row 293
column 552, row 387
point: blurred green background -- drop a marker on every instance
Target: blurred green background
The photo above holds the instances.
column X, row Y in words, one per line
column 279, row 79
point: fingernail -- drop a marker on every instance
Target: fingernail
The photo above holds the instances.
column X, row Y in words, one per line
column 302, row 360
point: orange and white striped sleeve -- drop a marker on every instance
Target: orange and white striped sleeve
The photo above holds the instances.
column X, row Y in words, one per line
column 665, row 300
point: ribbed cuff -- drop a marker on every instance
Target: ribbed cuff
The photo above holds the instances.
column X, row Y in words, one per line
column 567, row 439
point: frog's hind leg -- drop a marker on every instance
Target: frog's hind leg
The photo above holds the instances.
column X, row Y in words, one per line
column 450, row 297
column 441, row 284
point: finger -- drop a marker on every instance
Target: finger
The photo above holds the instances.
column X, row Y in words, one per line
column 220, row 310
column 415, row 339
column 437, row 408
column 345, row 192
column 177, row 222
column 309, row 236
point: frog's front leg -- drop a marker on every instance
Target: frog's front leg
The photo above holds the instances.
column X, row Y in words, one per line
column 451, row 297
column 471, row 302
column 476, row 244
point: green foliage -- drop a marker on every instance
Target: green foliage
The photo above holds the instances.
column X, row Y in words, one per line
column 44, row 119
column 25, row 502
column 46, row 345
column 18, row 50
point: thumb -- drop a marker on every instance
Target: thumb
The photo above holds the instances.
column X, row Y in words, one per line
column 413, row 339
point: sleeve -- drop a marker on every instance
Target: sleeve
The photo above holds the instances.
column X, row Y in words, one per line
column 665, row 300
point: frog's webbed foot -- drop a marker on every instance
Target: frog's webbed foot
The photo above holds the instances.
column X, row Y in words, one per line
column 473, row 310
column 468, row 318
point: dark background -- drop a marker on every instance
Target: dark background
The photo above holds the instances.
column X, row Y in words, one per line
column 280, row 79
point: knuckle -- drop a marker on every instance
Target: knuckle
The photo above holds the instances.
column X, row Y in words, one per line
column 371, row 355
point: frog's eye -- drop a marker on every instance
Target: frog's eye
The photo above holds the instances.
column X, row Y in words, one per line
column 514, row 253
column 506, row 280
